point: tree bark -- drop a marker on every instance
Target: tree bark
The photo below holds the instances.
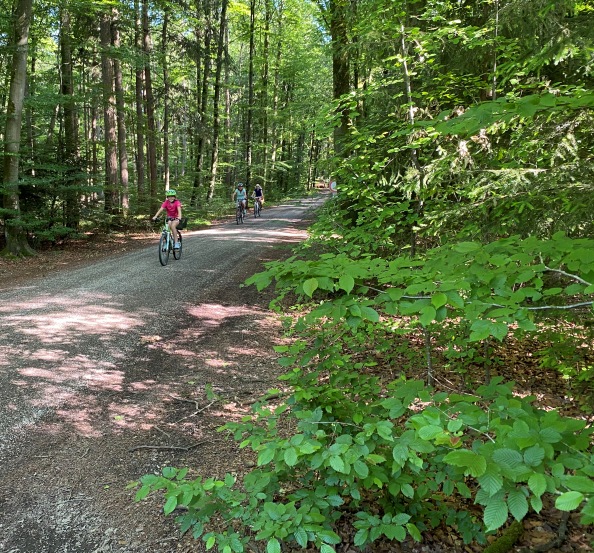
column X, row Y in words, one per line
column 121, row 122
column 14, row 234
column 340, row 68
column 216, row 123
column 150, row 105
column 250, row 111
column 139, row 78
column 70, row 156
column 109, row 119
column 166, row 88
column 202, row 100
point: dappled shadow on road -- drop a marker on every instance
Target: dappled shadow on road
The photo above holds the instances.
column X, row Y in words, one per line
column 74, row 362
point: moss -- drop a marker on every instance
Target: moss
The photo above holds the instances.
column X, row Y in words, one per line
column 507, row 540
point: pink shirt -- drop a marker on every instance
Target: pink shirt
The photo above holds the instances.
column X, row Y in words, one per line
column 171, row 207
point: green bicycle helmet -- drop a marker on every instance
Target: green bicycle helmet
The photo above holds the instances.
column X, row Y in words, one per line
column 170, row 192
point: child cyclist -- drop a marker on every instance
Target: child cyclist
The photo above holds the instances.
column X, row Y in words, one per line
column 173, row 207
column 258, row 194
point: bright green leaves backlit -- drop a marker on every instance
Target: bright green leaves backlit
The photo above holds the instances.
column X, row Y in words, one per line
column 490, row 286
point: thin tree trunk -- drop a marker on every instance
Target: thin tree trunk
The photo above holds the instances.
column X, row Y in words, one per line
column 166, row 87
column 150, row 105
column 109, row 118
column 121, row 122
column 340, row 67
column 215, row 109
column 70, row 154
column 265, row 78
column 250, row 111
column 16, row 238
column 139, row 78
column 411, row 116
column 203, row 100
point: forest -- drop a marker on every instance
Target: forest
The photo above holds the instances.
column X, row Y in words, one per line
column 439, row 378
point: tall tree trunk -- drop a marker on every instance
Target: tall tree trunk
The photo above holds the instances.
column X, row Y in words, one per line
column 203, row 99
column 250, row 111
column 265, row 77
column 121, row 121
column 16, row 238
column 70, row 155
column 216, row 123
column 166, row 87
column 229, row 172
column 109, row 118
column 150, row 105
column 340, row 67
column 275, row 96
column 139, row 78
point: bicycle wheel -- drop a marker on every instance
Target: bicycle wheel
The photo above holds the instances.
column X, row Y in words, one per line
column 257, row 209
column 177, row 252
column 238, row 215
column 164, row 249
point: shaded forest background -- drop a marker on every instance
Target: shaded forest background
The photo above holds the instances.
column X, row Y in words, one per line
column 456, row 255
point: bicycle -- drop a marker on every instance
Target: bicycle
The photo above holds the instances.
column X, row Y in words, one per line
column 166, row 244
column 257, row 207
column 239, row 213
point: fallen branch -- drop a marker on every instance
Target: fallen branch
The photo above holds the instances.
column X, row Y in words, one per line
column 194, row 414
column 171, row 447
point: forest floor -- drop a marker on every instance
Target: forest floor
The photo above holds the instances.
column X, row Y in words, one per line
column 144, row 523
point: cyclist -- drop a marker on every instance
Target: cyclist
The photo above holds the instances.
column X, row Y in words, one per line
column 258, row 195
column 173, row 207
column 240, row 195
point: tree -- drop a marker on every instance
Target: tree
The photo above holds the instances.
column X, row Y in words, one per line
column 14, row 234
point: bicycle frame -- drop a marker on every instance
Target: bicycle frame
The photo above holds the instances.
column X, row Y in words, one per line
column 166, row 244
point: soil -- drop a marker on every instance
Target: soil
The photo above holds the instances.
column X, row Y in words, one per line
column 118, row 439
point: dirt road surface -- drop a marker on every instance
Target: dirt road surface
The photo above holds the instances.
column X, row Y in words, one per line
column 104, row 371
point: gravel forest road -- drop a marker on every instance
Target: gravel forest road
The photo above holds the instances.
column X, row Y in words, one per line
column 104, row 371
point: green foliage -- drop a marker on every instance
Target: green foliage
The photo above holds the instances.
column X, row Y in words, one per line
column 387, row 464
column 490, row 286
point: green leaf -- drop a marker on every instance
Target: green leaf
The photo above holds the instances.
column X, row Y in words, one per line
column 534, row 455
column 300, row 536
column 414, row 532
column 467, row 247
column 265, row 456
column 580, row 484
column 273, row 546
column 569, row 501
column 495, row 514
column 508, row 458
column 430, row 432
column 325, row 548
column 291, row 456
column 337, row 463
column 491, row 482
column 537, row 484
column 361, row 468
column 309, row 287
column 439, row 299
column 427, row 316
column 475, row 464
column 370, row 314
column 346, row 283
column 518, row 504
column 170, row 504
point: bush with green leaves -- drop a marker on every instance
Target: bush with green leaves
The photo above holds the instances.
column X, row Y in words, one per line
column 392, row 461
column 391, row 457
